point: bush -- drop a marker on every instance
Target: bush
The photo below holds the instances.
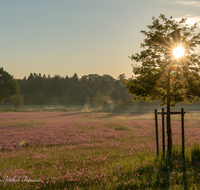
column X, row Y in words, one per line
column 17, row 101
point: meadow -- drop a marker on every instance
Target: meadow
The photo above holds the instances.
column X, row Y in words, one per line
column 95, row 150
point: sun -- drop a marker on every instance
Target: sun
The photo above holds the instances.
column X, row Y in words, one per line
column 179, row 51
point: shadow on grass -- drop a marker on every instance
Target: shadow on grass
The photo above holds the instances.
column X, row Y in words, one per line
column 165, row 172
column 114, row 114
column 170, row 171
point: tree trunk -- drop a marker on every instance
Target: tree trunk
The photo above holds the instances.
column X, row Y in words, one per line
column 169, row 131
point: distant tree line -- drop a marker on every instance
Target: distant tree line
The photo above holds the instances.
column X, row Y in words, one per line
column 90, row 89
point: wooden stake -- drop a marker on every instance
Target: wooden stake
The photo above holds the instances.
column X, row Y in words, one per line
column 156, row 125
column 163, row 130
column 182, row 123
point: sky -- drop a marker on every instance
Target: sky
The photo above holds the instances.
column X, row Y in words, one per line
column 63, row 37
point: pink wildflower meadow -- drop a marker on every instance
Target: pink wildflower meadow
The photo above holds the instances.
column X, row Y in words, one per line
column 66, row 128
column 82, row 136
column 60, row 128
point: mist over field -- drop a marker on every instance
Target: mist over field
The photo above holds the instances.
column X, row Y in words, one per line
column 88, row 93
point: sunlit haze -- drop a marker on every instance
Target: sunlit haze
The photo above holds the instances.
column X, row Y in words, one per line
column 83, row 37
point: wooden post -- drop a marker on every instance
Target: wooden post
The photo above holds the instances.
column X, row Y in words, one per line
column 156, row 125
column 182, row 123
column 163, row 130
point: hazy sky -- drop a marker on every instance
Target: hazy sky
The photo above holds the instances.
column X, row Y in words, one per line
column 83, row 36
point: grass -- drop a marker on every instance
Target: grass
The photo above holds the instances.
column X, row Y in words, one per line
column 118, row 127
column 95, row 151
column 113, row 171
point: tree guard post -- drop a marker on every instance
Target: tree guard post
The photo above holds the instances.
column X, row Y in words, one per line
column 163, row 130
column 182, row 124
column 156, row 125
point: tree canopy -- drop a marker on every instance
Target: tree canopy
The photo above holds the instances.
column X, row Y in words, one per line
column 157, row 63
column 8, row 85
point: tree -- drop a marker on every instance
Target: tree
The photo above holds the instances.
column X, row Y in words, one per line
column 17, row 101
column 121, row 77
column 121, row 105
column 98, row 100
column 130, row 103
column 38, row 99
column 160, row 75
column 8, row 85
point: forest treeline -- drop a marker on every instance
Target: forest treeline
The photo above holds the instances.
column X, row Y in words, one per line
column 57, row 90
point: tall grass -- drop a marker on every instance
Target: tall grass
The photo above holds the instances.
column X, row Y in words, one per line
column 115, row 171
column 94, row 151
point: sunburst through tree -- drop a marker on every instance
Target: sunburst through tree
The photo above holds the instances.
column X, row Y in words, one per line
column 169, row 67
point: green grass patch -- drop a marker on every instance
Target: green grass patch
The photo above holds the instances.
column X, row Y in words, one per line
column 98, row 168
column 118, row 126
